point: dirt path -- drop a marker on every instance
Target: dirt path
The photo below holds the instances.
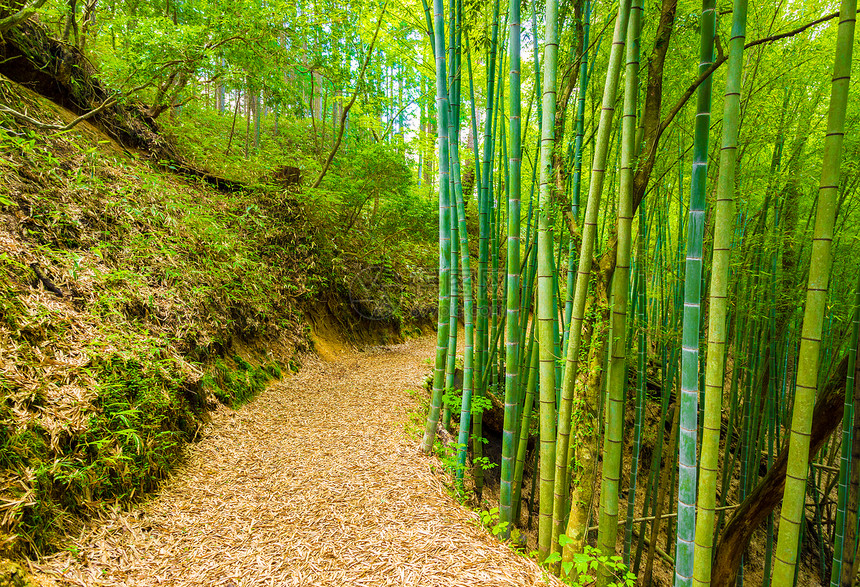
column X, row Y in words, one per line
column 314, row 483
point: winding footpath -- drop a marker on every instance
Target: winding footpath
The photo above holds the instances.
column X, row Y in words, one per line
column 316, row 482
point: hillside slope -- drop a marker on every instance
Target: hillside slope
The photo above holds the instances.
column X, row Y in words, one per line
column 133, row 301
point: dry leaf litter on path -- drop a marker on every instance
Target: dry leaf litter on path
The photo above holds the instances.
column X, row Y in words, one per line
column 314, row 483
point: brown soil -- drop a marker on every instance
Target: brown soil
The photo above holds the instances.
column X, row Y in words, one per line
column 314, row 483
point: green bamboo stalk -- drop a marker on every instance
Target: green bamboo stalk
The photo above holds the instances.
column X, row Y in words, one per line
column 692, row 306
column 641, row 365
column 664, row 487
column 730, row 456
column 617, row 377
column 468, row 300
column 577, row 172
column 478, row 389
column 791, row 513
column 483, row 232
column 662, row 316
column 495, row 223
column 525, row 424
column 771, row 391
column 453, row 318
column 545, row 314
column 816, row 501
column 444, row 237
column 849, row 558
column 484, row 199
column 512, row 333
column 845, row 459
column 428, row 20
column 557, row 317
column 720, row 266
column 580, row 500
column 453, row 112
column 771, row 447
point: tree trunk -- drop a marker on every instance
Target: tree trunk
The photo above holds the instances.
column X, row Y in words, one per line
column 71, row 22
column 347, row 108
column 768, row 493
column 233, row 127
column 247, row 119
column 569, row 83
column 87, row 21
column 654, row 99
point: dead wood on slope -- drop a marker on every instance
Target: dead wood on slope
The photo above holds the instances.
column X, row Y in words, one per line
column 62, row 73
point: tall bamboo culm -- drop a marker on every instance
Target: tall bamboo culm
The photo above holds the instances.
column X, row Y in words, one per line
column 688, row 426
column 580, row 506
column 545, row 314
column 791, row 513
column 845, row 457
column 612, row 439
column 720, row 265
column 444, row 232
column 512, row 324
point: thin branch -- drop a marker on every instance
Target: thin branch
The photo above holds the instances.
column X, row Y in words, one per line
column 106, row 104
column 688, row 93
column 65, row 127
column 345, row 112
column 57, row 127
column 390, row 124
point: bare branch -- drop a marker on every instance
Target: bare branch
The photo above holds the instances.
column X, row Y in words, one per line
column 65, row 127
column 722, row 59
column 346, row 110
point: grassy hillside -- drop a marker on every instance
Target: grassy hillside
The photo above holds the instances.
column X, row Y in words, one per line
column 134, row 300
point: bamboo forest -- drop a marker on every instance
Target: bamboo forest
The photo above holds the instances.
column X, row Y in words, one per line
column 449, row 292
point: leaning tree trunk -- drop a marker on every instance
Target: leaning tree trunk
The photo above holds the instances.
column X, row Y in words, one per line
column 59, row 71
column 767, row 494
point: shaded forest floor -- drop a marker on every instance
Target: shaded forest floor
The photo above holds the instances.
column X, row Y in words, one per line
column 315, row 482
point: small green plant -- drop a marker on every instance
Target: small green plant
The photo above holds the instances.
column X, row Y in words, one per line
column 490, row 520
column 586, row 565
column 484, row 463
column 481, row 404
column 452, row 399
column 449, row 458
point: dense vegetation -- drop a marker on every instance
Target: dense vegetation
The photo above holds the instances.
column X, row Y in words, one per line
column 749, row 397
column 657, row 306
column 141, row 291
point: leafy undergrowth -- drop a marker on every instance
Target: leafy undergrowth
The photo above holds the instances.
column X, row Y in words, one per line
column 367, row 208
column 131, row 302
